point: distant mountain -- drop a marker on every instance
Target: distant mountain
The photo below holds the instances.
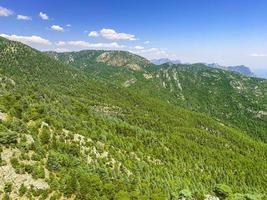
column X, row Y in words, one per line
column 165, row 60
column 240, row 68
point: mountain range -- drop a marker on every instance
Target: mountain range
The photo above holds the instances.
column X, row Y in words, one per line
column 165, row 60
column 240, row 69
column 112, row 125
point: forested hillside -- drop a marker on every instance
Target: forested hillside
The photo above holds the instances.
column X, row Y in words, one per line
column 233, row 98
column 99, row 132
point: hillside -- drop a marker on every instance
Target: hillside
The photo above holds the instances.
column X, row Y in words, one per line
column 113, row 58
column 66, row 132
column 233, row 98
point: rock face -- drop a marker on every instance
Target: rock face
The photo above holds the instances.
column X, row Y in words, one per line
column 9, row 175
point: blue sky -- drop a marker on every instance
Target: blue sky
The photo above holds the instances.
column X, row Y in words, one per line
column 229, row 32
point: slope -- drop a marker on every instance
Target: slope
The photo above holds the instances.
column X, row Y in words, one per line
column 231, row 97
column 74, row 136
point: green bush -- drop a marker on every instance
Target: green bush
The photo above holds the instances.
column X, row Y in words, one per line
column 8, row 137
column 8, row 187
column 222, row 191
column 53, row 163
column 45, row 136
column 22, row 190
column 185, row 193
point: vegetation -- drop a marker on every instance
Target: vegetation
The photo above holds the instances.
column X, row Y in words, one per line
column 83, row 136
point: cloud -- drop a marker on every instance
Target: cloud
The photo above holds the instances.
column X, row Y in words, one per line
column 114, row 45
column 57, row 28
column 84, row 44
column 111, row 34
column 258, row 55
column 147, row 42
column 68, row 25
column 27, row 39
column 139, row 47
column 44, row 16
column 4, row 12
column 93, row 34
column 23, row 17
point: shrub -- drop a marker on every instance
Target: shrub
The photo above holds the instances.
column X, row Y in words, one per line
column 122, row 195
column 8, row 187
column 8, row 137
column 45, row 136
column 22, row 190
column 53, row 163
column 185, row 193
column 222, row 191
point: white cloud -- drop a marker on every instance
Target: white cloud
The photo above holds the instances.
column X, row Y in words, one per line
column 258, row 55
column 139, row 47
column 27, row 39
column 23, row 17
column 44, row 16
column 84, row 44
column 147, row 42
column 57, row 28
column 4, row 12
column 93, row 34
column 114, row 45
column 111, row 34
column 60, row 43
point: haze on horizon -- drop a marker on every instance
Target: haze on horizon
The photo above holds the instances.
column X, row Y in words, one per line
column 225, row 32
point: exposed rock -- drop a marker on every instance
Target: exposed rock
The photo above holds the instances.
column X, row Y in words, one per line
column 3, row 116
column 129, row 82
column 210, row 197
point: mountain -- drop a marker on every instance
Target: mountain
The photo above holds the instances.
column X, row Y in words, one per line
column 228, row 96
column 240, row 69
column 76, row 131
column 165, row 60
column 112, row 58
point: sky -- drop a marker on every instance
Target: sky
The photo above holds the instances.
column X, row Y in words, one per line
column 228, row 32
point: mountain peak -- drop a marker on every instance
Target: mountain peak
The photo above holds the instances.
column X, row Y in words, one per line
column 109, row 57
column 165, row 60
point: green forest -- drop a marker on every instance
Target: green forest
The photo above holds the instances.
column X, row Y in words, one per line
column 83, row 125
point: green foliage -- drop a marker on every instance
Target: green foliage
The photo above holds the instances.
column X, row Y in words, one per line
column 222, row 191
column 103, row 139
column 53, row 162
column 45, row 135
column 22, row 190
column 185, row 193
column 8, row 187
column 8, row 137
column 122, row 195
